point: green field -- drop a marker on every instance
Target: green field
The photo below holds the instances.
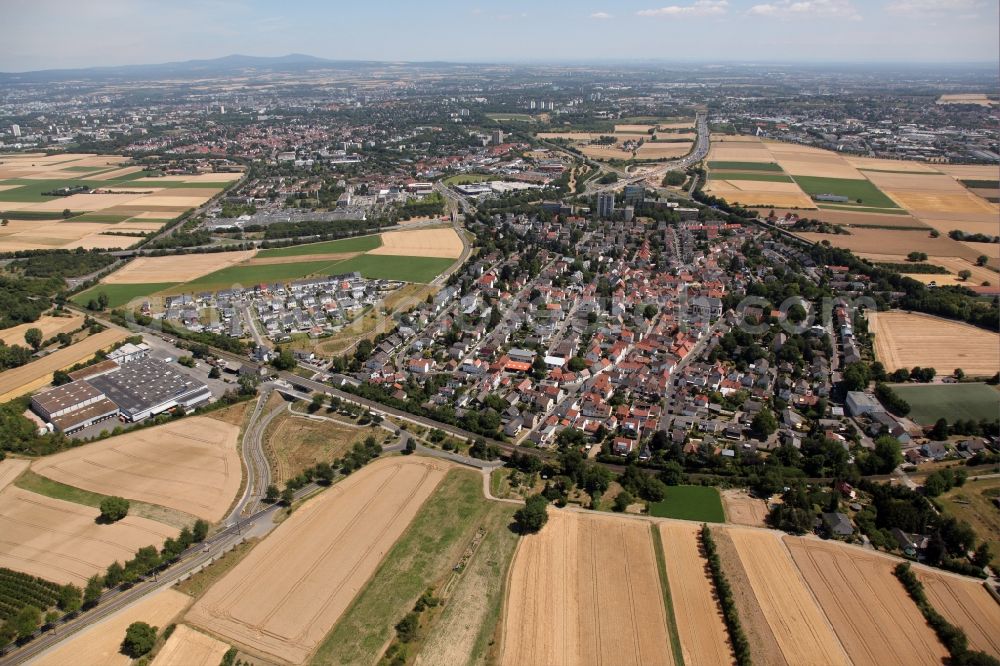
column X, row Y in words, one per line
column 422, row 557
column 120, row 294
column 386, row 267
column 31, row 190
column 860, row 192
column 982, row 184
column 930, row 402
column 356, row 244
column 742, row 175
column 467, row 178
column 701, row 503
column 34, row 215
column 745, row 166
column 257, row 274
column 85, row 169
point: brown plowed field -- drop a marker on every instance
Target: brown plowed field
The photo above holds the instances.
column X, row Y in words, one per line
column 316, row 561
column 100, row 645
column 187, row 647
column 181, row 268
column 585, row 590
column 62, row 542
column 190, row 465
column 741, row 509
column 704, row 639
column 905, row 340
column 871, row 612
column 802, row 631
column 966, row 604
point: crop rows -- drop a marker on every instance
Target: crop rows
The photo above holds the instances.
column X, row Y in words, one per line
column 18, row 590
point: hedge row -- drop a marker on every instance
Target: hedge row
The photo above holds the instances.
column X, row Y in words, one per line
column 952, row 637
column 741, row 646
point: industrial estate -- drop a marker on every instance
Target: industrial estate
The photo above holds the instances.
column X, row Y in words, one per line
column 323, row 362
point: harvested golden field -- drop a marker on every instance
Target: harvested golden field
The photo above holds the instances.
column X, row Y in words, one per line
column 799, row 627
column 443, row 243
column 703, row 634
column 741, row 509
column 59, row 235
column 899, row 242
column 10, row 469
column 316, row 561
column 965, row 603
column 187, row 647
column 47, row 324
column 970, row 171
column 979, row 99
column 635, row 129
column 598, row 152
column 83, row 202
column 115, row 173
column 929, row 202
column 62, row 541
column 182, row 268
column 191, row 465
column 905, row 340
column 851, row 218
column 38, row 373
column 915, row 182
column 975, row 222
column 100, row 644
column 663, row 150
column 871, row 612
column 761, row 193
column 878, row 164
column 570, row 580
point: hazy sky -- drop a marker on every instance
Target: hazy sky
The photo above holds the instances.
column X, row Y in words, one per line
column 38, row 34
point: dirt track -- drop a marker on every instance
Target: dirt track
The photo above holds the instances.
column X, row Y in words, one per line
column 703, row 634
column 585, row 590
column 62, row 542
column 316, row 561
column 191, row 465
column 871, row 612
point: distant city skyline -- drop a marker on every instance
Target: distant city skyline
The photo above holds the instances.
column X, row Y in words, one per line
column 43, row 34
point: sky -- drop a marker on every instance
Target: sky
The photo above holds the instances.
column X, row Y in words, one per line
column 42, row 34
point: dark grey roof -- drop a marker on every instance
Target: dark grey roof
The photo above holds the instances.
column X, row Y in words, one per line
column 146, row 383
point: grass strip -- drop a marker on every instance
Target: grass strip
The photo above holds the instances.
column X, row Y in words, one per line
column 661, row 566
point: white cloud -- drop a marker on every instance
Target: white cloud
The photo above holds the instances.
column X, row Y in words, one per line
column 923, row 8
column 601, row 16
column 807, row 9
column 699, row 8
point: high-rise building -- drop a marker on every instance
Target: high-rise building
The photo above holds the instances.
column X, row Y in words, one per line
column 634, row 195
column 497, row 137
column 606, row 204
column 15, row 130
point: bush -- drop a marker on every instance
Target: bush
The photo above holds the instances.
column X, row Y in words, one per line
column 741, row 647
column 113, row 509
column 139, row 639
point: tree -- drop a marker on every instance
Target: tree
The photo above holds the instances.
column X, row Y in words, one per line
column 959, row 374
column 285, row 360
column 764, row 424
column 214, row 373
column 70, row 598
column 981, row 260
column 406, row 629
column 982, row 555
column 533, row 515
column 67, row 213
column 113, row 509
column 317, row 403
column 622, row 501
column 33, row 336
column 964, row 274
column 884, row 458
column 940, row 430
column 199, row 531
column 60, row 377
column 411, row 446
column 92, row 593
column 916, row 256
column 139, row 639
column 287, row 496
column 26, row 621
column 271, row 494
column 102, row 300
column 649, row 311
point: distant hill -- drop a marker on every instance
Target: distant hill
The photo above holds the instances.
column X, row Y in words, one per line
column 185, row 69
